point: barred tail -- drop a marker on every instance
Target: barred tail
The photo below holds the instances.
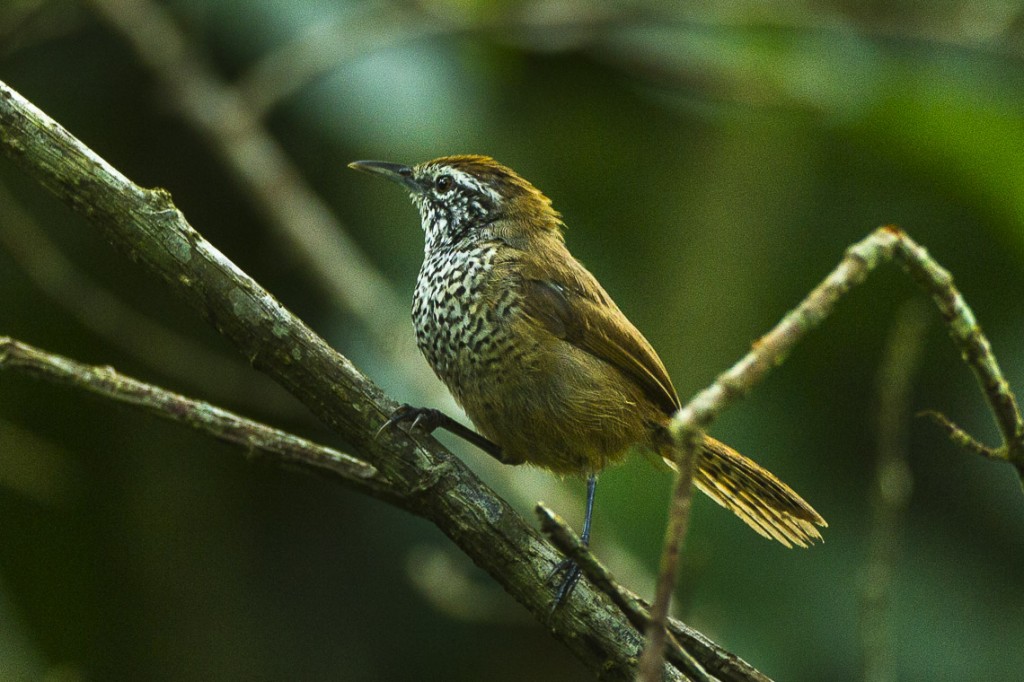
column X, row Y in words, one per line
column 754, row 494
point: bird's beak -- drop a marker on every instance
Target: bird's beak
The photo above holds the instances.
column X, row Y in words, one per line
column 394, row 172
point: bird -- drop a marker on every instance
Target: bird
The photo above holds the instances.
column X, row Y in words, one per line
column 539, row 356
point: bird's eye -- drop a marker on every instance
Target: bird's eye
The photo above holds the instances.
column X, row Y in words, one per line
column 443, row 183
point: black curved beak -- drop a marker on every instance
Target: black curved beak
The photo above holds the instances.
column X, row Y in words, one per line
column 394, row 172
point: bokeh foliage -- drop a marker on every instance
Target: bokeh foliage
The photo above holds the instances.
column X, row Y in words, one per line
column 711, row 166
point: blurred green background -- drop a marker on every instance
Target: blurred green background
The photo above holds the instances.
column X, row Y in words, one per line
column 711, row 164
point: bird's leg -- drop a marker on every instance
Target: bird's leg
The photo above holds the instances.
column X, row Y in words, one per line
column 428, row 419
column 567, row 567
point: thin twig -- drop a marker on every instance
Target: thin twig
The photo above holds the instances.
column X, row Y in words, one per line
column 274, row 444
column 891, row 491
column 883, row 245
column 959, row 436
column 668, row 567
column 602, row 579
column 566, row 540
column 719, row 663
column 685, row 645
column 974, row 347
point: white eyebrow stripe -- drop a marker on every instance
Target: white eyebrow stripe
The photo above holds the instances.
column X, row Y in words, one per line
column 466, row 180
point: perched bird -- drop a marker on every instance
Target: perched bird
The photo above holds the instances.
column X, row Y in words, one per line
column 539, row 356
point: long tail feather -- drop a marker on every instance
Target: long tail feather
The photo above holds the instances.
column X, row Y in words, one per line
column 754, row 494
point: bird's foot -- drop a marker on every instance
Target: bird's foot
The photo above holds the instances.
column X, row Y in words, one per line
column 426, row 418
column 566, row 575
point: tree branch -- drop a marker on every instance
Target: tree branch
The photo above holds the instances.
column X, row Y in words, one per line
column 424, row 478
column 714, row 662
column 883, row 245
column 277, row 445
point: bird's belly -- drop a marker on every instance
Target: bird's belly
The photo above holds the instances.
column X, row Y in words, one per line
column 567, row 412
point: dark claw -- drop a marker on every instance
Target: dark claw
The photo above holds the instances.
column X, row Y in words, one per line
column 428, row 420
column 570, row 573
column 395, row 417
column 421, row 417
column 416, row 422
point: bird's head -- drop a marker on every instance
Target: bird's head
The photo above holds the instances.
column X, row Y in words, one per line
column 469, row 198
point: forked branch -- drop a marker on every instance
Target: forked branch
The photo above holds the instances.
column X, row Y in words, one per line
column 883, row 245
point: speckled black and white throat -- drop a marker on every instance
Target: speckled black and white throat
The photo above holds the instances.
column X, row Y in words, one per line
column 452, row 320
